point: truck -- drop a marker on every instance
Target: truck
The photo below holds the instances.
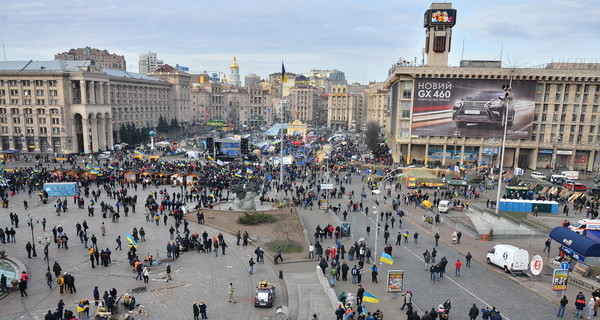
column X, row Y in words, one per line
column 573, row 175
column 509, row 258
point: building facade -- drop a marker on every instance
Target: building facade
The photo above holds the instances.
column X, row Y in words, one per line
column 103, row 58
column 149, row 62
column 346, row 107
column 180, row 91
column 377, row 108
column 66, row 107
column 561, row 132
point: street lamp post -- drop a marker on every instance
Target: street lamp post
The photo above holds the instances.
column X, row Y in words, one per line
column 508, row 101
column 32, row 238
column 388, row 176
column 46, row 244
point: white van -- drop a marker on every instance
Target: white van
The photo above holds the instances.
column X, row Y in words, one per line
column 508, row 257
column 585, row 224
column 444, row 206
column 538, row 175
column 558, row 178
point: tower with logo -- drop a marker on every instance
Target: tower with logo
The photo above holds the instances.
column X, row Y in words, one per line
column 439, row 20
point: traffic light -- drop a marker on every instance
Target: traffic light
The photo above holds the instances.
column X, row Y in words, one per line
column 244, row 146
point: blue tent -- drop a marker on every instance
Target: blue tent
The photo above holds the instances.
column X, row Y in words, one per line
column 580, row 247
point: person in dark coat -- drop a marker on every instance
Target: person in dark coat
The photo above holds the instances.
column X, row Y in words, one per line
column 23, row 288
column 49, row 316
column 196, row 311
column 202, row 308
column 474, row 312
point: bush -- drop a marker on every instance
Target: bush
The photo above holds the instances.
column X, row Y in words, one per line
column 252, row 218
column 287, row 246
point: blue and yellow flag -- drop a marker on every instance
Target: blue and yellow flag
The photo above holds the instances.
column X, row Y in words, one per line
column 386, row 258
column 88, row 166
column 367, row 297
column 238, row 174
column 283, row 74
column 132, row 241
column 249, row 171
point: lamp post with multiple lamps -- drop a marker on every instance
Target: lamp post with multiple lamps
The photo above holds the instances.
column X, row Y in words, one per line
column 381, row 184
column 30, row 222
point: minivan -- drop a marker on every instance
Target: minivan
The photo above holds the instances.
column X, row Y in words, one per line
column 538, row 175
column 509, row 258
column 444, row 206
column 558, row 178
column 585, row 224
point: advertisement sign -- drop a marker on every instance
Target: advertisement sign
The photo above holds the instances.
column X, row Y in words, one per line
column 395, row 281
column 323, row 204
column 564, row 152
column 472, row 108
column 560, row 279
column 536, row 265
column 580, row 158
column 345, row 229
column 436, row 17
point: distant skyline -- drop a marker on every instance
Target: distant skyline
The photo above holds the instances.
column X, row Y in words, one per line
column 362, row 38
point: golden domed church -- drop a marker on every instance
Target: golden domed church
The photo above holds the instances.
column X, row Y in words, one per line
column 234, row 76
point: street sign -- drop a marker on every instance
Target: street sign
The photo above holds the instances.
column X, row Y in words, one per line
column 537, row 264
column 564, row 266
column 326, row 186
column 559, row 280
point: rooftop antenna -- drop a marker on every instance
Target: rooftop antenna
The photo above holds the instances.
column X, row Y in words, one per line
column 462, row 54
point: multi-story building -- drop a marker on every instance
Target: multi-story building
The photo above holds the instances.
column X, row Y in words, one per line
column 102, row 58
column 180, row 91
column 345, row 106
column 449, row 115
column 303, row 98
column 74, row 106
column 377, row 108
column 251, row 80
column 149, row 62
column 326, row 78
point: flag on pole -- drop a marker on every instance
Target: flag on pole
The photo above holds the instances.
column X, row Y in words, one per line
column 367, row 297
column 386, row 258
column 132, row 241
column 283, row 74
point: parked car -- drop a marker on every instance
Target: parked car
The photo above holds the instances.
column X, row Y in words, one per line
column 484, row 107
column 575, row 186
column 509, row 258
column 538, row 175
column 264, row 295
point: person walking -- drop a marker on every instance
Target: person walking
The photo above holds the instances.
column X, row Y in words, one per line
column 590, row 307
column 426, row 258
column 563, row 304
column 547, row 246
column 49, row 279
column 168, row 272
column 146, row 274
column 407, row 300
column 231, row 291
column 196, row 311
column 473, row 312
column 374, row 273
column 251, row 263
column 360, row 292
column 202, row 308
column 118, row 240
column 23, row 288
column 278, row 256
column 437, row 238
column 28, row 247
column 416, row 237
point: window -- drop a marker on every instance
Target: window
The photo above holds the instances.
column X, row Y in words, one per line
column 592, row 129
column 53, row 93
column 542, row 137
column 40, row 102
column 556, row 107
column 43, row 130
column 14, row 92
column 55, row 131
column 26, row 83
column 559, row 87
column 580, row 129
column 29, row 130
column 39, row 83
column 571, row 138
column 543, row 118
column 16, row 120
column 17, row 130
column 29, row 120
column 4, row 129
column 545, row 108
column 27, row 111
column 41, row 120
column 41, row 111
column 39, row 93
column 3, row 101
column 27, row 102
column 53, row 111
column 13, row 83
column 2, row 92
column 53, row 102
column 3, row 120
column 575, row 108
column 55, row 121
column 14, row 102
column 555, row 118
column 52, row 83
column 594, row 108
column 573, row 117
column 2, row 110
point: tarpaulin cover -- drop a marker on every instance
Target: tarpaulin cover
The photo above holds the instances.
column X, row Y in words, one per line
column 61, row 189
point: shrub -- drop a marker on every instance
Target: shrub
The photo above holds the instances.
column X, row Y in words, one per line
column 252, row 218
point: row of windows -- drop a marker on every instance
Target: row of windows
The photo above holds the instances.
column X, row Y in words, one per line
column 28, row 102
column 571, row 138
column 27, row 92
column 27, row 83
column 16, row 120
column 29, row 111
column 30, row 130
column 567, row 87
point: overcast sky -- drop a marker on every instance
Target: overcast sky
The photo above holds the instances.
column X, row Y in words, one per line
column 363, row 38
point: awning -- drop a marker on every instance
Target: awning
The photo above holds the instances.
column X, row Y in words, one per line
column 579, row 244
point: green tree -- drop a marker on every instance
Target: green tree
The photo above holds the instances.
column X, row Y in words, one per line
column 174, row 124
column 163, row 125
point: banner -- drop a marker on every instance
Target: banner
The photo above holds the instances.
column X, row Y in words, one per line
column 472, row 108
column 395, row 281
column 560, row 279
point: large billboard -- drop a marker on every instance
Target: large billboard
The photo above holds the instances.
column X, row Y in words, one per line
column 440, row 17
column 473, row 108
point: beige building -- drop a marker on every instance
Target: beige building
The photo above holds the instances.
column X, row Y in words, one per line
column 346, row 107
column 180, row 91
column 103, row 58
column 564, row 130
column 377, row 108
column 74, row 106
column 303, row 99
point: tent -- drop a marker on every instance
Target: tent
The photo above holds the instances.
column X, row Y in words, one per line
column 581, row 248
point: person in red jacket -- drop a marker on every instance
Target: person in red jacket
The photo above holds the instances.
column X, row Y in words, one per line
column 457, row 264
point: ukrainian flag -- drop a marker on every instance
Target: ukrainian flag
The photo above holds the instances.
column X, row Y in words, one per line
column 247, row 162
column 139, row 152
column 367, row 297
column 283, row 74
column 386, row 258
column 132, row 241
column 249, row 171
column 238, row 174
column 111, row 167
column 88, row 166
